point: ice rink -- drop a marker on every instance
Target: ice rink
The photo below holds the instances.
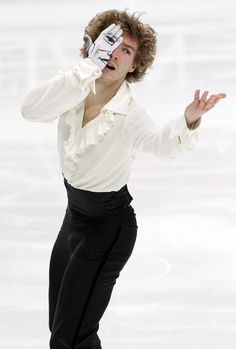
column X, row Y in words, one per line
column 178, row 290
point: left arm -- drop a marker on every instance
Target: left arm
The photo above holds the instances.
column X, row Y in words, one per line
column 199, row 106
column 171, row 138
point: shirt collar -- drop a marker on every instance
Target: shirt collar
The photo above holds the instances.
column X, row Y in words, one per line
column 120, row 101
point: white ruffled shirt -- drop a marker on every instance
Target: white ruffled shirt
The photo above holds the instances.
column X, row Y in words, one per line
column 98, row 157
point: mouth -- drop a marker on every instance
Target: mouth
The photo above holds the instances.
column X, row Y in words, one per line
column 110, row 66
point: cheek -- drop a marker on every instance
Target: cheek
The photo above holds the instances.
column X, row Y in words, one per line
column 128, row 61
column 125, row 65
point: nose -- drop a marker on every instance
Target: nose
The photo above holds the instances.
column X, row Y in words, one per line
column 115, row 54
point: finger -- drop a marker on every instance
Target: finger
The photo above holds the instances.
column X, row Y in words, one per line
column 115, row 29
column 197, row 93
column 119, row 41
column 196, row 96
column 109, row 29
column 204, row 95
column 217, row 99
column 210, row 102
column 88, row 41
column 203, row 99
column 118, row 33
column 221, row 95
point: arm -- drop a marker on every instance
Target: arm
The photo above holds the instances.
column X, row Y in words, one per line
column 61, row 93
column 172, row 138
column 68, row 88
column 164, row 140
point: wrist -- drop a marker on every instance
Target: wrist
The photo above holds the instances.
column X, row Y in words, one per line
column 97, row 62
column 192, row 125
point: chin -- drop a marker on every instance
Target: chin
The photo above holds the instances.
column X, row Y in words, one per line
column 107, row 77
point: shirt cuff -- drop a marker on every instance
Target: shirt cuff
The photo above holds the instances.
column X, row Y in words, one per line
column 87, row 72
column 179, row 126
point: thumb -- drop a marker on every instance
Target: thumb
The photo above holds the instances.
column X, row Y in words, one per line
column 87, row 41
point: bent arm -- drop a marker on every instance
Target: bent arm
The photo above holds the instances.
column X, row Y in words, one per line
column 167, row 140
column 61, row 93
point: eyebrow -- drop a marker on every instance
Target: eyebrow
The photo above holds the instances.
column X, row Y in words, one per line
column 127, row 45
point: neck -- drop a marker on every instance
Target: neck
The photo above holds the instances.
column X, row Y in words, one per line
column 104, row 92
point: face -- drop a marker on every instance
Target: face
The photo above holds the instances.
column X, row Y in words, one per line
column 121, row 60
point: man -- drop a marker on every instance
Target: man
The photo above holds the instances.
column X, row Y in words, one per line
column 100, row 130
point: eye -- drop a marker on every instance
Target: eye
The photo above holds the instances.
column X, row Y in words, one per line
column 127, row 51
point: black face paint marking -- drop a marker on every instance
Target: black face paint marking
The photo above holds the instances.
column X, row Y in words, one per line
column 110, row 39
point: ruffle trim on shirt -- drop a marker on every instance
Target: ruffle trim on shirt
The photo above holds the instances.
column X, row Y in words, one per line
column 82, row 139
column 96, row 132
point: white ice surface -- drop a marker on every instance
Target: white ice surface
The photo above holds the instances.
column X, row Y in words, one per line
column 178, row 289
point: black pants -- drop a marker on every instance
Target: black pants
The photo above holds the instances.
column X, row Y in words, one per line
column 94, row 243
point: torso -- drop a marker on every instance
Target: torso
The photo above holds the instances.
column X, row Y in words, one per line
column 93, row 107
column 90, row 114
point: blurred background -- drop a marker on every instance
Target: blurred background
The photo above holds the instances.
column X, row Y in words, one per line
column 178, row 288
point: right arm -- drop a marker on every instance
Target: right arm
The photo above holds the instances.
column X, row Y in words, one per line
column 61, row 93
column 68, row 88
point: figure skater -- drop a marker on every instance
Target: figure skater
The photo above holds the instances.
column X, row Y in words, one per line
column 100, row 130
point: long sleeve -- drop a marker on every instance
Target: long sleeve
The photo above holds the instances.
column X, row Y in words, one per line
column 167, row 140
column 61, row 93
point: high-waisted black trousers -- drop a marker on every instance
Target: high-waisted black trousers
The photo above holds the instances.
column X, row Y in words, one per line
column 94, row 243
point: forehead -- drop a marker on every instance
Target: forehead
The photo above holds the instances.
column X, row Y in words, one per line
column 130, row 42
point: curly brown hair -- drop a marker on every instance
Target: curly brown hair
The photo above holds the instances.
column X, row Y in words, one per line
column 131, row 25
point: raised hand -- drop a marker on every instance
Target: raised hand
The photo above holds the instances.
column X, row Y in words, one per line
column 201, row 105
column 101, row 49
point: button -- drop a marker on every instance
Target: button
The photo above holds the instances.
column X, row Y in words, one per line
column 107, row 112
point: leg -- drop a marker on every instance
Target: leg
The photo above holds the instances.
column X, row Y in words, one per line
column 101, row 294
column 58, row 261
column 88, row 281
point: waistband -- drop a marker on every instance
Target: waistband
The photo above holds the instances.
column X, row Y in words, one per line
column 96, row 204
